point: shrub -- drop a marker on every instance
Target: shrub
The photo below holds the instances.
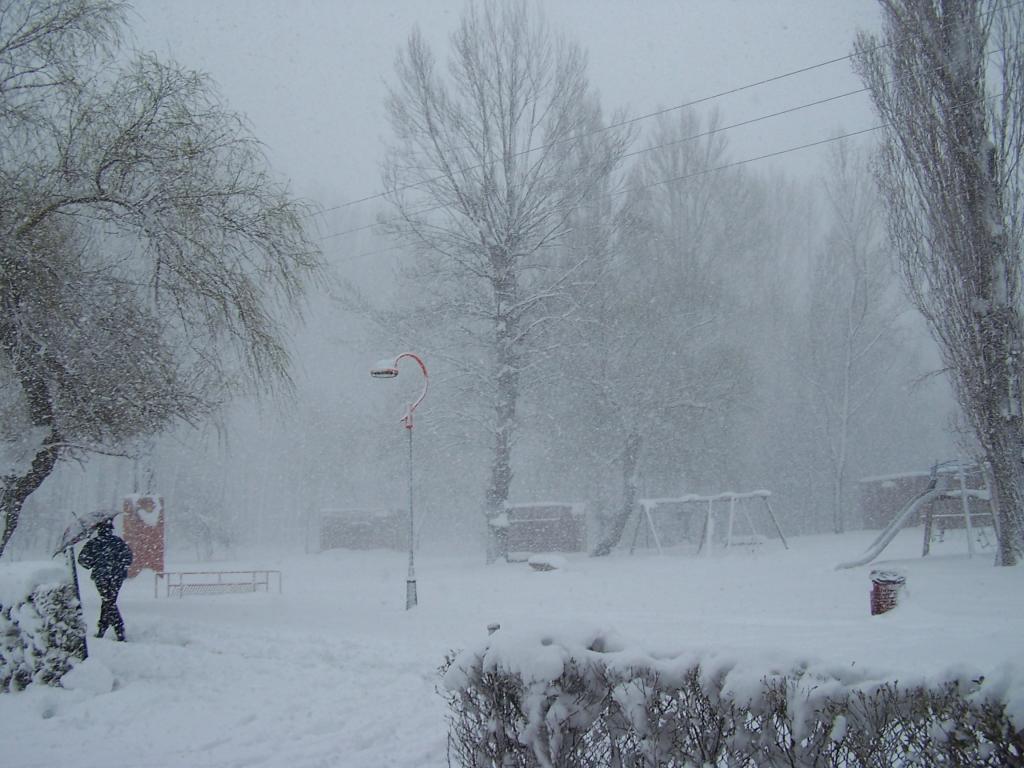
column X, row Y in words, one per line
column 41, row 631
column 511, row 704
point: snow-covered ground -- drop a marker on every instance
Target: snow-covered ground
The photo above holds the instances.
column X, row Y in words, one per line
column 334, row 671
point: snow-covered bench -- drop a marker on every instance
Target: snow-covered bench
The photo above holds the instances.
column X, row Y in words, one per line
column 213, row 582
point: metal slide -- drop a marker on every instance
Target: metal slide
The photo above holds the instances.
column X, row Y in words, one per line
column 927, row 495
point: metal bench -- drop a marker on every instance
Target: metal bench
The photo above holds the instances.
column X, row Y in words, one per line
column 213, row 582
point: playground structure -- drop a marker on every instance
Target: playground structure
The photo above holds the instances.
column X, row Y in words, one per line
column 937, row 489
column 692, row 506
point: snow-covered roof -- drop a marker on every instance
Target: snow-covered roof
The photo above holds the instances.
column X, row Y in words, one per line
column 575, row 507
column 894, row 476
column 950, row 468
column 358, row 512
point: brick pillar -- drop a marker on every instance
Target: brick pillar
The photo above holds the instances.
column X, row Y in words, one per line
column 886, row 586
column 144, row 532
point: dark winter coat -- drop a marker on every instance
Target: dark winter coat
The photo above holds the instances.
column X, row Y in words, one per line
column 108, row 557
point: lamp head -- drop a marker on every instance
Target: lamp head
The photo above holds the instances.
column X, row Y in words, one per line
column 384, row 371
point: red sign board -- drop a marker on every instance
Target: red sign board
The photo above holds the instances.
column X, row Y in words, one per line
column 144, row 533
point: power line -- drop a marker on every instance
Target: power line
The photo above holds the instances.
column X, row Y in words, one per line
column 612, row 126
column 653, row 148
column 743, row 123
column 649, row 115
column 748, row 160
column 702, row 172
column 710, row 132
column 685, row 177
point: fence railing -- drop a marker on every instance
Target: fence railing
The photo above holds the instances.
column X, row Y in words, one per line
column 183, row 583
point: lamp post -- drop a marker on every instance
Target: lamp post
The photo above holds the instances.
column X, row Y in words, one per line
column 387, row 369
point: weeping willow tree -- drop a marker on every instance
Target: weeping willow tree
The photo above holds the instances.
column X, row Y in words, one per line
column 147, row 256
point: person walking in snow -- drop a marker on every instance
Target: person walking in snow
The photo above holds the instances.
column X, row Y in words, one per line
column 108, row 557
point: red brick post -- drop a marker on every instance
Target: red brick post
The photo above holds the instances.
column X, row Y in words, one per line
column 886, row 586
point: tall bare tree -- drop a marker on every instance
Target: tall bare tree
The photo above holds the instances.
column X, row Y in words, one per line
column 146, row 253
column 655, row 323
column 487, row 165
column 947, row 76
column 852, row 314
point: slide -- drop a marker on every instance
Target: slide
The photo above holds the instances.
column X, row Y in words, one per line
column 928, row 494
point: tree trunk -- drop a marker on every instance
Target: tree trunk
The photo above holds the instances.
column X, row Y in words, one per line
column 17, row 488
column 506, row 399
column 501, row 461
column 36, row 390
column 1002, row 439
column 996, row 403
column 630, row 493
column 1008, row 481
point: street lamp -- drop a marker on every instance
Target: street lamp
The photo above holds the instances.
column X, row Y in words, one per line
column 387, row 369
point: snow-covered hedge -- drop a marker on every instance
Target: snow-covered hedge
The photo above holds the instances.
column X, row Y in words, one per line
column 541, row 701
column 41, row 627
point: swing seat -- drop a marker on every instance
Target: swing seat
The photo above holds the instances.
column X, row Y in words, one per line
column 751, row 541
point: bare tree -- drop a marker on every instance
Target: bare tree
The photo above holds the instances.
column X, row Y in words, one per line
column 947, row 78
column 852, row 314
column 486, row 168
column 654, row 322
column 146, row 254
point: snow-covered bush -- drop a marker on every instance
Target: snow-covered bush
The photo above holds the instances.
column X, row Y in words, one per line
column 537, row 701
column 41, row 627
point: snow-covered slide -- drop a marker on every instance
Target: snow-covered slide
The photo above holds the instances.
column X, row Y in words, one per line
column 926, row 496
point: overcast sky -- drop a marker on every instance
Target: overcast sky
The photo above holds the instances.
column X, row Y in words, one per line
column 310, row 74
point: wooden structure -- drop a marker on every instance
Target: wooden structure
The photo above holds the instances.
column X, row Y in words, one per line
column 883, row 496
column 954, row 510
column 540, row 527
column 143, row 531
column 938, row 501
column 364, row 528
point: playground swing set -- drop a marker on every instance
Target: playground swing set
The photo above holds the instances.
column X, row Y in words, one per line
column 734, row 505
column 938, row 488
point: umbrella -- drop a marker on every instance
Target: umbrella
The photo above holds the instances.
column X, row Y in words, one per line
column 83, row 526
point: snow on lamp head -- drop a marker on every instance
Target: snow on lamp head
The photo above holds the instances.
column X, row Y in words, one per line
column 385, row 369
